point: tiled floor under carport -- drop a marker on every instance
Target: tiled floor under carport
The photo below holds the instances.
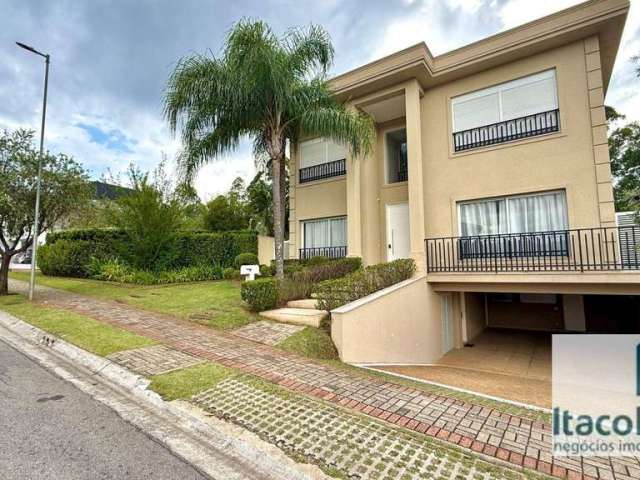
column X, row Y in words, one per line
column 510, row 364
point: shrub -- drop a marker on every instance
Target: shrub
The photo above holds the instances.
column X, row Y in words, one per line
column 188, row 249
column 266, row 271
column 246, row 259
column 318, row 260
column 260, row 294
column 335, row 293
column 66, row 258
column 327, row 270
column 115, row 270
column 231, row 273
column 301, row 283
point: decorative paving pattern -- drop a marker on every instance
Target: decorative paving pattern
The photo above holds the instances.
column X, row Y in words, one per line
column 359, row 447
column 154, row 360
column 269, row 333
column 483, row 429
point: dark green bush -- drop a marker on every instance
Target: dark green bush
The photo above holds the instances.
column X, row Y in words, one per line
column 260, row 294
column 231, row 273
column 66, row 258
column 188, row 249
column 309, row 262
column 301, row 283
column 335, row 293
column 266, row 271
column 246, row 259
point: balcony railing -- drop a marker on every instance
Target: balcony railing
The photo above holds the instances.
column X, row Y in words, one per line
column 507, row 131
column 324, row 170
column 329, row 252
column 581, row 250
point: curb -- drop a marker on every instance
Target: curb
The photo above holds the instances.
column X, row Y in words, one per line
column 264, row 463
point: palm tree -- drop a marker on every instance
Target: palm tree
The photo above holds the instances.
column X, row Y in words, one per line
column 269, row 89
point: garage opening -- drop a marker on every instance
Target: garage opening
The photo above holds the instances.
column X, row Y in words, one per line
column 504, row 349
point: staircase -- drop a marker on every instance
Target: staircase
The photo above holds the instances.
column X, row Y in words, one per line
column 298, row 312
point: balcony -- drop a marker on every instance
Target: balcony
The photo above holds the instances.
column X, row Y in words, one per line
column 329, row 252
column 323, row 170
column 600, row 249
column 507, row 131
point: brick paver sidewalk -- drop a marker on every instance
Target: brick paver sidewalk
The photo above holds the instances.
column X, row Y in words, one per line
column 480, row 429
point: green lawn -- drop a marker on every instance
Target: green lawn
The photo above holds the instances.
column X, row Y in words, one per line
column 215, row 304
column 187, row 382
column 312, row 343
column 86, row 333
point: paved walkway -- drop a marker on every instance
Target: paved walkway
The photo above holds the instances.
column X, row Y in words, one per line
column 480, row 429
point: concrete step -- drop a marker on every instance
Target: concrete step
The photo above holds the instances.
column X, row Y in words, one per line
column 296, row 316
column 308, row 303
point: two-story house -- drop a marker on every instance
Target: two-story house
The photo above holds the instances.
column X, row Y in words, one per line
column 491, row 170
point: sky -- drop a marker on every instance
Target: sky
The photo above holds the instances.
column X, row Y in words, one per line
column 110, row 61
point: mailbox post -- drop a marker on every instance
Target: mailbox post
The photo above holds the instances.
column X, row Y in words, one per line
column 250, row 271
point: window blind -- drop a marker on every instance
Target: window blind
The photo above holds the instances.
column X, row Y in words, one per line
column 518, row 98
column 319, row 151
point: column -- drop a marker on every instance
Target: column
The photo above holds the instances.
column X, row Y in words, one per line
column 415, row 174
column 354, row 207
column 599, row 132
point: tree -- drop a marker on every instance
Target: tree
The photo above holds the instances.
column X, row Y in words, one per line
column 225, row 213
column 64, row 189
column 270, row 89
column 151, row 215
column 260, row 204
column 624, row 150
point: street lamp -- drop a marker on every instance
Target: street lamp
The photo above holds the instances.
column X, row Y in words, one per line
column 32, row 280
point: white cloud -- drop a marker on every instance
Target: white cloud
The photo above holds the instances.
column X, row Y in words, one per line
column 517, row 12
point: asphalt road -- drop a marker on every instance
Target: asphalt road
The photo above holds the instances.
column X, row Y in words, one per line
column 50, row 430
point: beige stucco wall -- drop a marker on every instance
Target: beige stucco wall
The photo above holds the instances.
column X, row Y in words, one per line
column 563, row 160
column 474, row 314
column 400, row 324
column 266, row 249
column 573, row 309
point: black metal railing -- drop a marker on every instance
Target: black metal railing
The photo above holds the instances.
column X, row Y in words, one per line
column 403, row 172
column 507, row 131
column 329, row 252
column 324, row 170
column 580, row 250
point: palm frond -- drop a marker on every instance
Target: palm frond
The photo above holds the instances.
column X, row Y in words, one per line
column 351, row 128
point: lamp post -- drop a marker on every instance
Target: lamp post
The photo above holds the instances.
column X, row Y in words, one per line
column 36, row 226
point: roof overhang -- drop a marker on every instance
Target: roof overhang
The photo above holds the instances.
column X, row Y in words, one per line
column 604, row 18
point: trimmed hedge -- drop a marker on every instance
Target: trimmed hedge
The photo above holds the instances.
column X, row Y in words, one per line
column 67, row 258
column 246, row 259
column 268, row 293
column 335, row 293
column 261, row 294
column 69, row 252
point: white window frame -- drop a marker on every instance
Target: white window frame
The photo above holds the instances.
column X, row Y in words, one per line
column 328, row 219
column 386, row 154
column 506, row 199
column 323, row 140
column 551, row 73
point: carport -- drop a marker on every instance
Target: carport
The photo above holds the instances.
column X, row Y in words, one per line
column 504, row 342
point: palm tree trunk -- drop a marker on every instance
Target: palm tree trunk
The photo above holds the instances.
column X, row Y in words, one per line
column 278, row 209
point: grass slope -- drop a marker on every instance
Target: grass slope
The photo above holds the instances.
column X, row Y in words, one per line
column 215, row 304
column 86, row 333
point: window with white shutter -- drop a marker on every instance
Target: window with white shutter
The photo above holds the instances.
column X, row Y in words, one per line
column 517, row 109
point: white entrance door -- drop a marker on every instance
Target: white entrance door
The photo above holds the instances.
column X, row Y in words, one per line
column 398, row 245
column 447, row 323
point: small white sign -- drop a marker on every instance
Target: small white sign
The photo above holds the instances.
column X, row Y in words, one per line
column 250, row 271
